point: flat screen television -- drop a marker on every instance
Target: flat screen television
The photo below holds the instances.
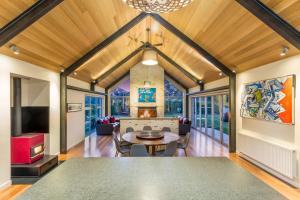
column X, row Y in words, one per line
column 34, row 119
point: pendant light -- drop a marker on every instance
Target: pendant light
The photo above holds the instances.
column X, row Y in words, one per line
column 149, row 57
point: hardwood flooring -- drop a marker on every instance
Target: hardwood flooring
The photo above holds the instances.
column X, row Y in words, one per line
column 199, row 146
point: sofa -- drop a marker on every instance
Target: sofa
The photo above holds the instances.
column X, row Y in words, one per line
column 107, row 126
column 184, row 126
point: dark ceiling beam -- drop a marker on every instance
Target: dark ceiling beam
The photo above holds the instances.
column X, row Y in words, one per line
column 119, row 64
column 274, row 21
column 70, row 87
column 104, row 43
column 193, row 44
column 118, row 80
column 25, row 19
column 172, row 62
column 175, row 80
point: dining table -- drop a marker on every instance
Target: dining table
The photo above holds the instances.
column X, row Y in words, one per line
column 150, row 142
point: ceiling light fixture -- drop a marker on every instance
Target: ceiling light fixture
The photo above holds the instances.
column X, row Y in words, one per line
column 14, row 49
column 75, row 73
column 284, row 51
column 220, row 74
column 157, row 6
column 149, row 57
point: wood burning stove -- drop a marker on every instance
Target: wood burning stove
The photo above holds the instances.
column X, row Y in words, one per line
column 27, row 148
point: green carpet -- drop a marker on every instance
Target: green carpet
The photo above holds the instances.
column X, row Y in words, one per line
column 150, row 179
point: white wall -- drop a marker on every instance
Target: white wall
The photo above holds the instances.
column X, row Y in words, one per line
column 214, row 84
column 140, row 73
column 10, row 66
column 76, row 120
column 286, row 135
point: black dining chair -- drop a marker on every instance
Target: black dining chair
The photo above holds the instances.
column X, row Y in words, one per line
column 183, row 144
column 129, row 129
column 169, row 151
column 122, row 149
column 147, row 128
column 138, row 150
column 166, row 129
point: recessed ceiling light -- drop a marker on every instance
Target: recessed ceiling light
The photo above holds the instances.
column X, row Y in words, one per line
column 14, row 49
column 75, row 73
column 234, row 71
column 284, row 51
column 220, row 74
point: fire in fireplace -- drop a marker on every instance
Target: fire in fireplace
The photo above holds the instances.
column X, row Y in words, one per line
column 147, row 112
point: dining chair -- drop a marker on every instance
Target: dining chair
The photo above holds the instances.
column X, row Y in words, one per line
column 129, row 129
column 138, row 150
column 169, row 151
column 122, row 149
column 121, row 142
column 166, row 129
column 184, row 143
column 147, row 128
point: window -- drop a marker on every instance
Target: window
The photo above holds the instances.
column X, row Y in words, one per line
column 93, row 111
column 120, row 100
column 210, row 115
column 173, row 100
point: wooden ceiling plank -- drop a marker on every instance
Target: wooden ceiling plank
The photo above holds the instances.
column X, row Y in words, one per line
column 274, row 21
column 193, row 44
column 172, row 62
column 115, row 67
column 104, row 43
column 25, row 19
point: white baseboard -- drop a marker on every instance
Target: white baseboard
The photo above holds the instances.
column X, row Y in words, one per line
column 292, row 182
column 5, row 184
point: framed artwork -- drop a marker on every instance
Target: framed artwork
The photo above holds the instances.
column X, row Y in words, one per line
column 74, row 107
column 271, row 100
column 147, row 95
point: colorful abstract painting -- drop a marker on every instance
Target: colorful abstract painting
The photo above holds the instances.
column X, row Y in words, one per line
column 147, row 95
column 271, row 100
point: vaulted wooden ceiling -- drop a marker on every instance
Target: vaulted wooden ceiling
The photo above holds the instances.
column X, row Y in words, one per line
column 224, row 28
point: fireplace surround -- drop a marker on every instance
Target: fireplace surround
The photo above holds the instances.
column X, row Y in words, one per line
column 147, row 112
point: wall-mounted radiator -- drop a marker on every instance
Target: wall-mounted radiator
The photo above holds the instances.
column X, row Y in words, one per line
column 277, row 158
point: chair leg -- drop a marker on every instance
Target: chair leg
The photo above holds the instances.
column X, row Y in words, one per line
column 185, row 152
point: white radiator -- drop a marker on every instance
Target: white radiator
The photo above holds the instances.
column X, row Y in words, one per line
column 276, row 157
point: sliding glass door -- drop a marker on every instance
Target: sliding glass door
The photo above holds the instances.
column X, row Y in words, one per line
column 210, row 115
column 93, row 111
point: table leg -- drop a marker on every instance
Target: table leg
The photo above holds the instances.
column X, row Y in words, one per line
column 153, row 150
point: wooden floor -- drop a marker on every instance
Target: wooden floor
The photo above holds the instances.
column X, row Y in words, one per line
column 199, row 146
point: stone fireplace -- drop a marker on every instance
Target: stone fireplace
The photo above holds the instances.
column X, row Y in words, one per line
column 147, row 112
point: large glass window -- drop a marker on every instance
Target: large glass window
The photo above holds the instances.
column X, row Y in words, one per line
column 210, row 115
column 93, row 111
column 225, row 119
column 173, row 100
column 203, row 113
column 217, row 123
column 120, row 100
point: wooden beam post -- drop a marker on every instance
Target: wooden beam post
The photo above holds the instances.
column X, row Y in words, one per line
column 104, row 43
column 63, row 114
column 25, row 19
column 106, row 101
column 187, row 103
column 232, row 111
column 271, row 19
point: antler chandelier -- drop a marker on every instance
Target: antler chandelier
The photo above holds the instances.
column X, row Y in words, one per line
column 157, row 6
